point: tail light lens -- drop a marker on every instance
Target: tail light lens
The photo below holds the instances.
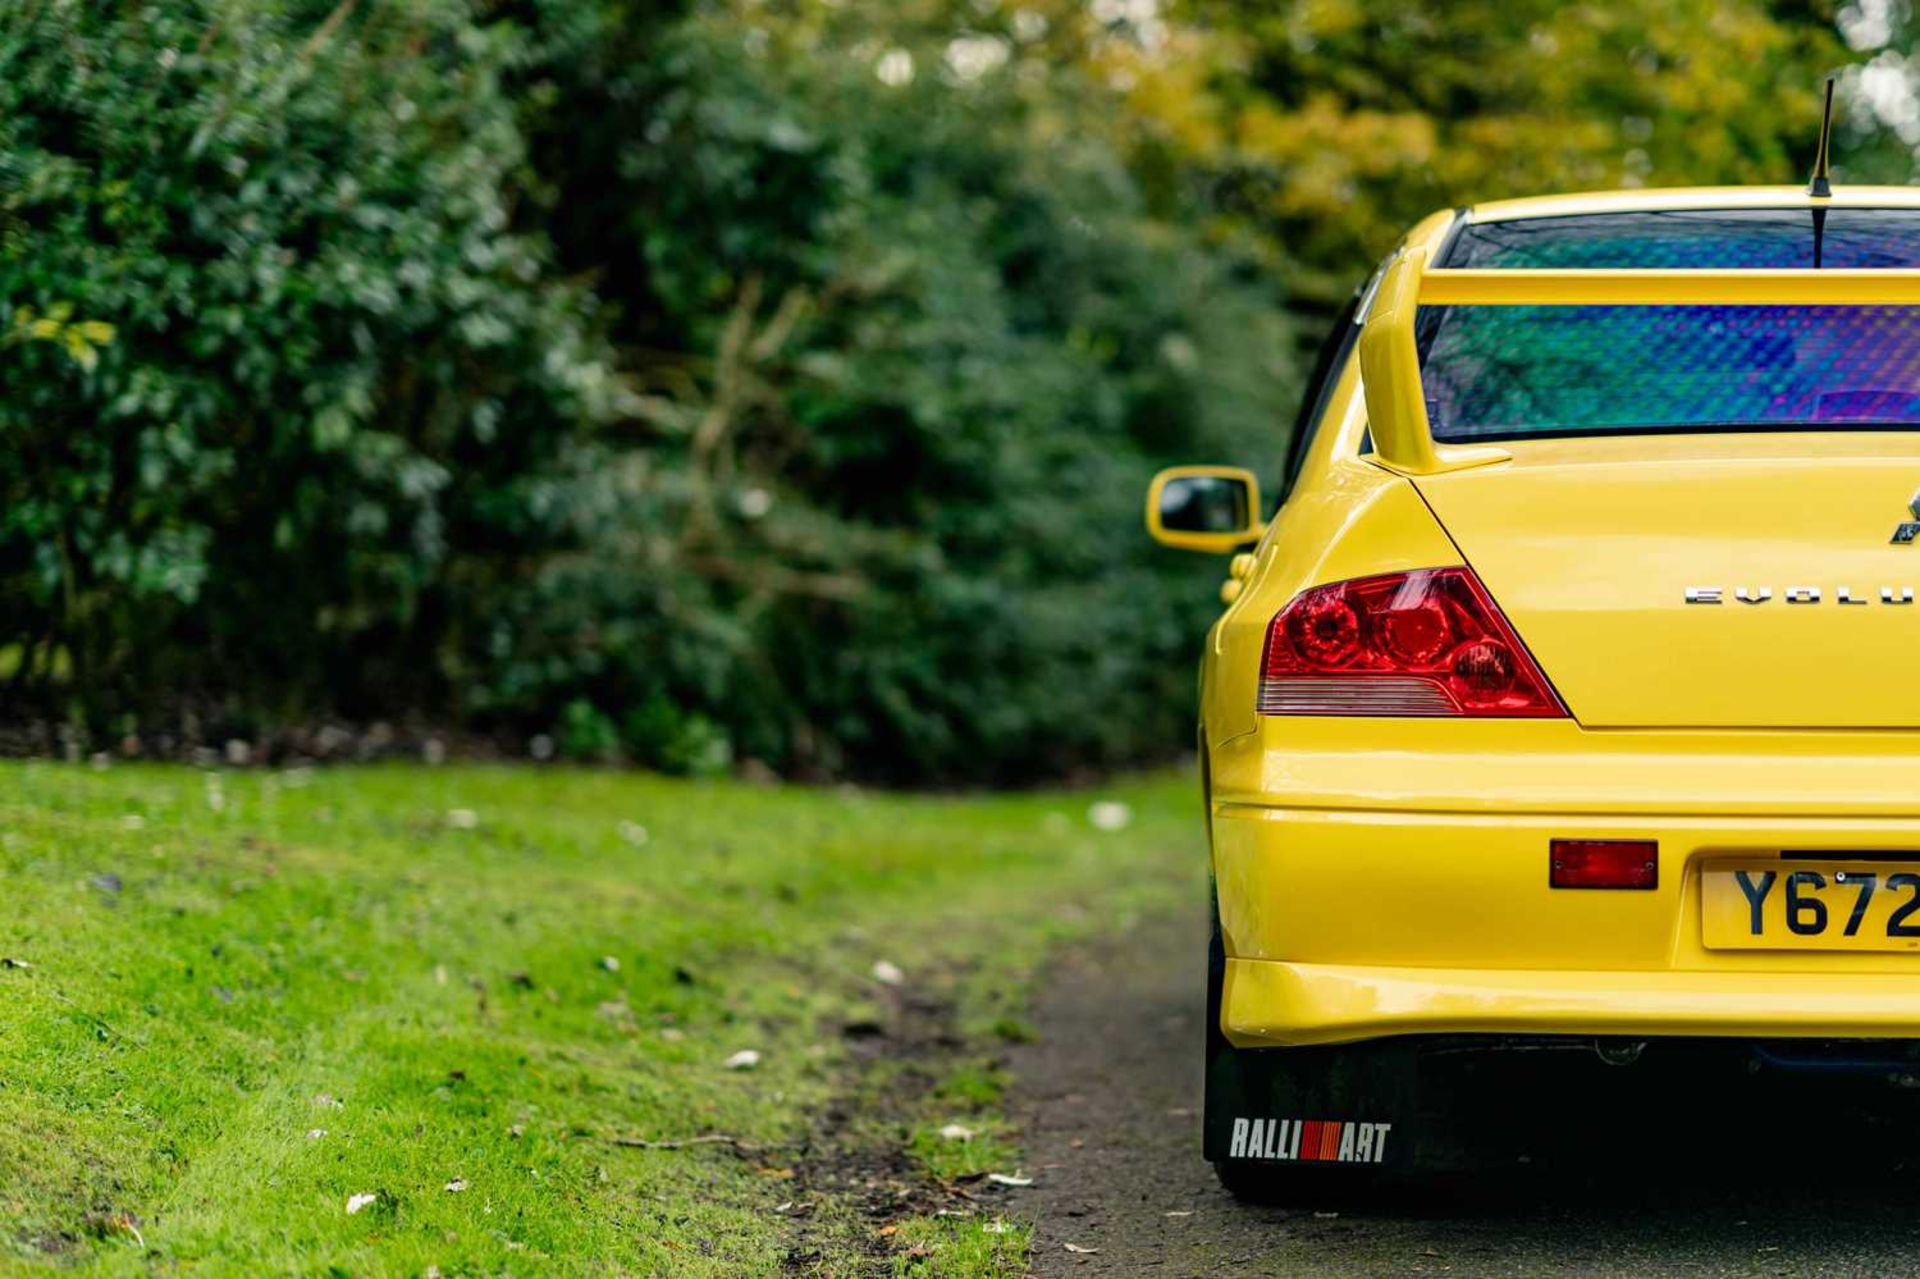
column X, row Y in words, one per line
column 1429, row 642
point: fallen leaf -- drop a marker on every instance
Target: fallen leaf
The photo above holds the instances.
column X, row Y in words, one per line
column 1002, row 1179
column 887, row 974
column 116, row 1223
column 887, row 1232
column 1074, row 1247
column 356, row 1202
column 957, row 1132
column 745, row 1059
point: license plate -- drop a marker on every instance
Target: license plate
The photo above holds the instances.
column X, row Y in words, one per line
column 1811, row 906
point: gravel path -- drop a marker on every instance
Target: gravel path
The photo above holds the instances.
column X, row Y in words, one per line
column 1109, row 1094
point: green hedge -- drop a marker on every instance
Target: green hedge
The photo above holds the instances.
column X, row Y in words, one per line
column 578, row 369
column 333, row 350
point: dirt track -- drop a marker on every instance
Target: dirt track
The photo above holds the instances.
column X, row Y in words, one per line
column 1109, row 1094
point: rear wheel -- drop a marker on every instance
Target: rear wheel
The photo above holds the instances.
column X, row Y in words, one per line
column 1254, row 1183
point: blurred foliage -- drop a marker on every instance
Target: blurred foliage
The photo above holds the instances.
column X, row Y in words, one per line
column 331, row 354
column 877, row 508
column 743, row 380
column 1331, row 124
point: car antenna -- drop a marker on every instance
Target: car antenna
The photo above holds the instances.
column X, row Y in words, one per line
column 1820, row 186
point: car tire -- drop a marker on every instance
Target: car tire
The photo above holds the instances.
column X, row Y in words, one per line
column 1254, row 1183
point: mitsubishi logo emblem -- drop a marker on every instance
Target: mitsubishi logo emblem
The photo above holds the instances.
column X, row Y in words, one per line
column 1909, row 530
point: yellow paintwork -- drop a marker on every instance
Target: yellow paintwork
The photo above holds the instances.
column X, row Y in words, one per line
column 1389, row 876
column 1589, row 545
column 1663, row 288
column 1390, row 363
column 1215, row 542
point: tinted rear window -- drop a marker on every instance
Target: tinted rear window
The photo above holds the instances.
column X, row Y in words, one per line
column 1504, row 372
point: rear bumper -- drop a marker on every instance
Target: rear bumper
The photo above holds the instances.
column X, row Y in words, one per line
column 1276, row 1004
column 1390, row 878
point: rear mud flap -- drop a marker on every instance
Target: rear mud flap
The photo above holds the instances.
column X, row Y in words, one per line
column 1350, row 1106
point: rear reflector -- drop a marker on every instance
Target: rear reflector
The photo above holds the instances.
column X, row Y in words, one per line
column 1605, row 863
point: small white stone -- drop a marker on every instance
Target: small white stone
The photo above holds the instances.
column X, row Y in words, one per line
column 745, row 1059
column 887, row 974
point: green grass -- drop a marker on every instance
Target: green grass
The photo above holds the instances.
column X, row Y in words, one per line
column 249, row 996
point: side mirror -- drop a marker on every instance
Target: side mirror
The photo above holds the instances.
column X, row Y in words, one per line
column 1204, row 508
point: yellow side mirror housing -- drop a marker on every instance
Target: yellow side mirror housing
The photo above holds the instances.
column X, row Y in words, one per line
column 1205, row 508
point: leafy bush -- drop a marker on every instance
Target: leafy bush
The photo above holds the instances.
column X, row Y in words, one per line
column 334, row 353
column 722, row 381
column 885, row 519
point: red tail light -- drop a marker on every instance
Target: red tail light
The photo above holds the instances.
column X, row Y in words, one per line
column 1429, row 642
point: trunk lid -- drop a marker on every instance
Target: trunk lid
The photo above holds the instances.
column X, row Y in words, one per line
column 1590, row 546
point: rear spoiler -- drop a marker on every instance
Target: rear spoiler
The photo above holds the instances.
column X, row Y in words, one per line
column 1390, row 362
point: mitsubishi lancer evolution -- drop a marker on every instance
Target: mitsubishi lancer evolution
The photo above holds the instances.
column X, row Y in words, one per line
column 1570, row 699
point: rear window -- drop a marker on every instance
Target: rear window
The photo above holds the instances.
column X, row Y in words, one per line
column 1500, row 372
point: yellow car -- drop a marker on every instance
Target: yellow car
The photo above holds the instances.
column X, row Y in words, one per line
column 1571, row 698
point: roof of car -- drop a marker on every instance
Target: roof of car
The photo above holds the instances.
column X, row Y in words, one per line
column 1680, row 198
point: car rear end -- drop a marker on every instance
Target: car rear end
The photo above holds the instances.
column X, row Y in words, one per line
column 1571, row 700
